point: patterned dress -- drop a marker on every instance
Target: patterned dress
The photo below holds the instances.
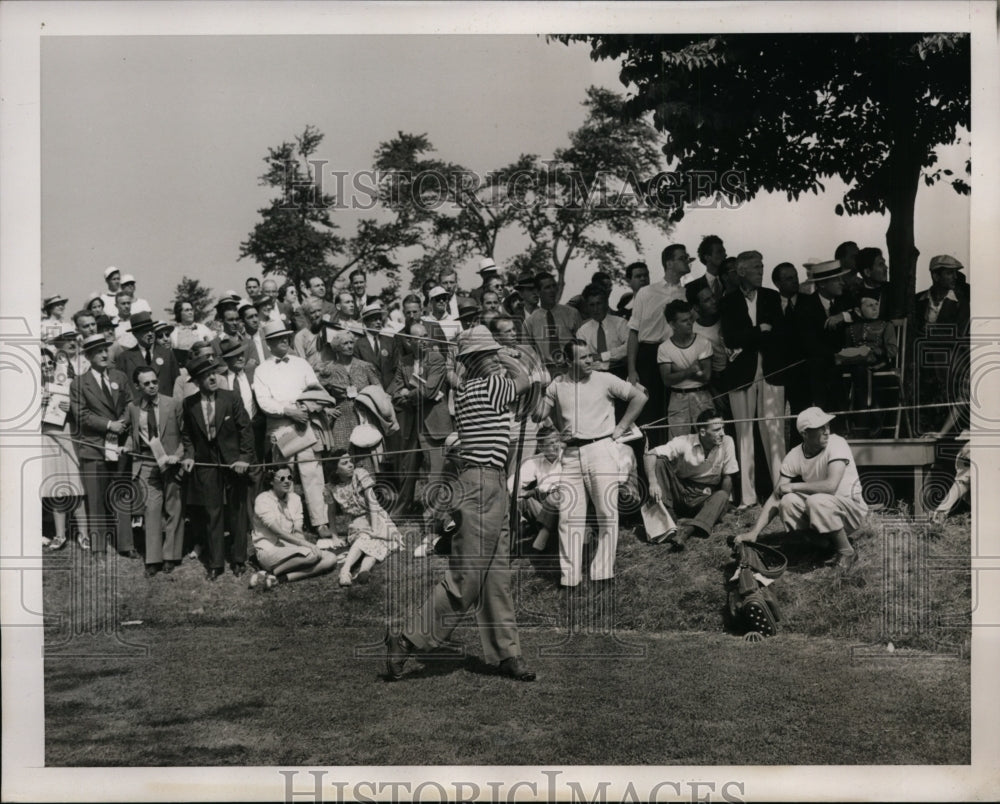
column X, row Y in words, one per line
column 376, row 542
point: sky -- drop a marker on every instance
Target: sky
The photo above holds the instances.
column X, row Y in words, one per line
column 152, row 146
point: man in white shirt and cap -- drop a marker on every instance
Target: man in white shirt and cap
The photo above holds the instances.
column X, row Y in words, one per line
column 277, row 383
column 487, row 270
column 113, row 279
column 819, row 489
column 138, row 305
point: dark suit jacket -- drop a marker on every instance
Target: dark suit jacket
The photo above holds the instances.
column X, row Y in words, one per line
column 820, row 342
column 431, row 413
column 386, row 359
column 92, row 412
column 791, row 350
column 170, row 425
column 702, row 282
column 952, row 315
column 164, row 363
column 233, row 436
column 739, row 333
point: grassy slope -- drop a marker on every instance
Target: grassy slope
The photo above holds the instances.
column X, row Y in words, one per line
column 274, row 678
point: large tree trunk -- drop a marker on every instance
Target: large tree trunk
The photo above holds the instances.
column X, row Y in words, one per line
column 899, row 238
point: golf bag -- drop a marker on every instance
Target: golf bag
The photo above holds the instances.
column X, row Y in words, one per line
column 752, row 604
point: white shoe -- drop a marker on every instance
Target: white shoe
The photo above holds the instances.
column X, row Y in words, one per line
column 270, row 582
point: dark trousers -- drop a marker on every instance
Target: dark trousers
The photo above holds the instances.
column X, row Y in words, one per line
column 225, row 506
column 110, row 497
column 688, row 498
column 656, row 406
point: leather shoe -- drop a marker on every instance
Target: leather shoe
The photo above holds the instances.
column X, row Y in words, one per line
column 152, row 569
column 169, row 566
column 129, row 554
column 239, row 569
column 515, row 668
column 212, row 574
column 397, row 651
column 680, row 538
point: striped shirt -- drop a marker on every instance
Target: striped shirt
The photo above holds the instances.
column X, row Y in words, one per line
column 483, row 418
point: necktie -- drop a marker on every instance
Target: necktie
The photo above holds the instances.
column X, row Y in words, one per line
column 149, row 358
column 551, row 335
column 602, row 339
column 789, row 309
column 151, row 427
column 236, row 386
column 107, row 389
column 210, row 417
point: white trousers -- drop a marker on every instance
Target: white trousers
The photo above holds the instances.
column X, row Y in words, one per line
column 766, row 401
column 593, row 472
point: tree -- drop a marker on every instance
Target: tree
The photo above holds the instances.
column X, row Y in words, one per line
column 457, row 213
column 196, row 294
column 296, row 236
column 591, row 193
column 571, row 206
column 789, row 110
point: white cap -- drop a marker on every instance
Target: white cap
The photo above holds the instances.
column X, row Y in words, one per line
column 811, row 418
column 110, row 270
column 126, row 278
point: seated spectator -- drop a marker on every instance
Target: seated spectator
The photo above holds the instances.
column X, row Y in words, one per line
column 960, row 486
column 370, row 532
column 282, row 548
column 693, row 475
column 536, row 480
column 685, row 360
column 869, row 345
column 819, row 489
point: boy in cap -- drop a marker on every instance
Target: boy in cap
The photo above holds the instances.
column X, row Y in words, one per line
column 138, row 305
column 819, row 489
column 941, row 315
column 113, row 280
column 98, row 399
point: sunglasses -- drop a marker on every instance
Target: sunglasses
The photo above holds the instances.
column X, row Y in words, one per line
column 283, row 478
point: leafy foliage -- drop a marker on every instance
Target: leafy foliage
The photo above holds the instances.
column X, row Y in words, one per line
column 193, row 292
column 789, row 110
column 297, row 237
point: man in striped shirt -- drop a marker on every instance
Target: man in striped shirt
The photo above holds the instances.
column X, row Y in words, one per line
column 478, row 574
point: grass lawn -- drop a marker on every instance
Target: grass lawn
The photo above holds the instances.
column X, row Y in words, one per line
column 641, row 673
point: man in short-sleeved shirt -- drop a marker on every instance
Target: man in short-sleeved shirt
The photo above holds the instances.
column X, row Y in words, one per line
column 692, row 474
column 582, row 404
column 819, row 489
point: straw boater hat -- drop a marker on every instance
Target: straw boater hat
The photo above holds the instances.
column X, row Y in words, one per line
column 372, row 309
column 275, row 329
column 244, row 304
column 140, row 322
column 53, row 301
column 817, row 272
column 436, row 291
column 94, row 341
column 163, row 328
column 487, row 267
column 67, row 333
column 316, row 395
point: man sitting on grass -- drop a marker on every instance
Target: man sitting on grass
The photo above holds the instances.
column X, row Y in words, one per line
column 819, row 489
column 692, row 474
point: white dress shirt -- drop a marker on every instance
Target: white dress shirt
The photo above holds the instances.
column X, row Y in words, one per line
column 278, row 384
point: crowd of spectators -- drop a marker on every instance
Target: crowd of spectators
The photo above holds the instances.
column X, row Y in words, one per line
column 297, row 429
